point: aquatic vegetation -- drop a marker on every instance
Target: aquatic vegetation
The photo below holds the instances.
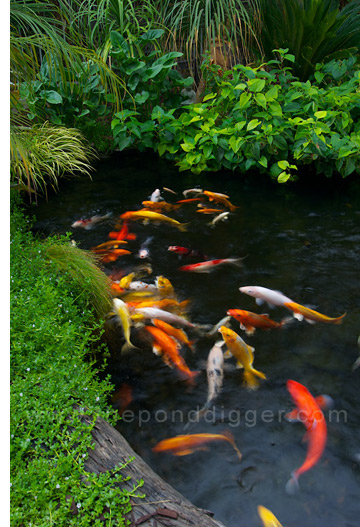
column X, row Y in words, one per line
column 54, row 384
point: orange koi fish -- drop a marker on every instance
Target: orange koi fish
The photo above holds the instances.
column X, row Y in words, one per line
column 104, row 247
column 122, row 398
column 309, row 413
column 122, row 234
column 250, row 321
column 182, row 445
column 267, row 517
column 153, row 216
column 167, row 347
column 301, row 312
column 159, row 206
column 112, row 256
column 209, row 211
column 178, row 334
column 189, row 200
column 220, row 198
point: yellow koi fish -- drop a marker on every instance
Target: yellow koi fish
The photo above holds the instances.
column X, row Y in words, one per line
column 301, row 312
column 244, row 355
column 164, row 285
column 267, row 517
column 153, row 216
column 220, row 198
column 122, row 312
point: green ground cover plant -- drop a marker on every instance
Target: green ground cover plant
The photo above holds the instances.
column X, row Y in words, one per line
column 260, row 118
column 55, row 336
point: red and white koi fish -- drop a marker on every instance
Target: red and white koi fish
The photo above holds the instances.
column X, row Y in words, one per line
column 309, row 413
column 89, row 223
column 184, row 251
column 210, row 265
column 250, row 321
column 304, row 313
column 263, row 294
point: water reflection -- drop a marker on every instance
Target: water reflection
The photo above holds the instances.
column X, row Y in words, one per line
column 300, row 240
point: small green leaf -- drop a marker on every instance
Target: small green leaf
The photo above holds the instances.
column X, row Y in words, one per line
column 283, row 177
column 320, row 114
column 209, row 96
column 252, row 124
column 283, row 164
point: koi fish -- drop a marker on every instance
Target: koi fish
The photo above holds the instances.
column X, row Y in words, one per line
column 192, row 191
column 209, row 211
column 167, row 347
column 138, row 285
column 220, row 198
column 263, row 294
column 221, row 217
column 210, row 265
column 178, row 334
column 189, row 200
column 214, row 372
column 123, row 315
column 144, row 251
column 153, row 216
column 169, row 190
column 168, row 304
column 122, row 398
column 156, row 195
column 159, row 206
column 164, row 285
column 122, row 234
column 223, row 322
column 166, row 316
column 267, row 517
column 309, row 413
column 113, row 255
column 301, row 312
column 182, row 445
column 104, row 247
column 184, row 251
column 89, row 223
column 250, row 321
column 244, row 355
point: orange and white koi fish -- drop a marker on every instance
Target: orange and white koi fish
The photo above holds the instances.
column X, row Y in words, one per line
column 244, row 355
column 304, row 313
column 153, row 216
column 251, row 321
column 267, row 517
column 169, row 304
column 182, row 445
column 166, row 346
column 160, row 206
column 178, row 334
column 210, row 265
column 309, row 413
column 89, row 223
column 263, row 294
column 220, row 198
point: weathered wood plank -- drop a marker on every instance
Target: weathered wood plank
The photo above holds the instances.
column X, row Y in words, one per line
column 163, row 505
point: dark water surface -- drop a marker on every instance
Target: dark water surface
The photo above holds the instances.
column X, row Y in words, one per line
column 300, row 239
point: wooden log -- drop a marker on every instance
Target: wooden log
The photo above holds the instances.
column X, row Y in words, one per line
column 162, row 505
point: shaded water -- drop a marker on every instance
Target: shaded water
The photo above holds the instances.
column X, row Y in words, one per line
column 301, row 240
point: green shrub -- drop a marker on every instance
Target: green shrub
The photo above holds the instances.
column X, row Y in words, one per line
column 54, row 382
column 261, row 118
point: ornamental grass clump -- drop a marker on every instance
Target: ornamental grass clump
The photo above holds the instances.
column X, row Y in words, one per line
column 56, row 394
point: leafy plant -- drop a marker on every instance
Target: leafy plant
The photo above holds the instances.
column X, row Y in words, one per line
column 260, row 118
column 315, row 31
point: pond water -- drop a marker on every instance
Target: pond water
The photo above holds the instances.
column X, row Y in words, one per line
column 301, row 239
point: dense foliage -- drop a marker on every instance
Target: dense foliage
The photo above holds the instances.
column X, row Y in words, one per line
column 54, row 382
column 262, row 118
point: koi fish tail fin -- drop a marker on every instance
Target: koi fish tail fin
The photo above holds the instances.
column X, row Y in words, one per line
column 183, row 226
column 250, row 378
column 292, row 486
column 287, row 320
column 231, row 440
column 238, row 261
column 127, row 347
column 339, row 320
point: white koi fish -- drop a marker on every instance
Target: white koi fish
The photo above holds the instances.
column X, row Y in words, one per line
column 221, row 217
column 156, row 195
column 263, row 294
column 166, row 316
column 144, row 251
column 192, row 191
